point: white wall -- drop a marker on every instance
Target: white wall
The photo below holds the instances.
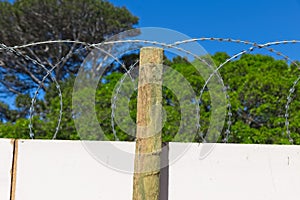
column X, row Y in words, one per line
column 235, row 172
column 6, row 156
column 65, row 170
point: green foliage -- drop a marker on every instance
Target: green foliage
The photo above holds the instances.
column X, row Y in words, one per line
column 258, row 90
column 259, row 86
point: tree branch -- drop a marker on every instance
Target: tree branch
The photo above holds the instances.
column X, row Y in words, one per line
column 11, row 89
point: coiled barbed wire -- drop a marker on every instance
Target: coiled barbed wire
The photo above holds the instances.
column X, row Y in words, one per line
column 254, row 46
column 33, row 100
column 198, row 126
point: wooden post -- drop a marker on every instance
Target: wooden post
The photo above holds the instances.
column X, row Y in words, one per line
column 149, row 122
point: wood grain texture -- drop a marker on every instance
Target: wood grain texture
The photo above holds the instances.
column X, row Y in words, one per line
column 149, row 122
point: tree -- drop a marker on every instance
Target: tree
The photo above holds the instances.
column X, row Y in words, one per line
column 28, row 21
column 259, row 87
column 258, row 90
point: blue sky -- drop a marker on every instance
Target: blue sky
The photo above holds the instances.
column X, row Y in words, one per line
column 256, row 20
column 253, row 20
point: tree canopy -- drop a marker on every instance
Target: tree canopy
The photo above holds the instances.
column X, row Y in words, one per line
column 258, row 89
column 29, row 21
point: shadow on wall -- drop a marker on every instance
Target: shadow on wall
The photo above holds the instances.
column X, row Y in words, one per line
column 164, row 173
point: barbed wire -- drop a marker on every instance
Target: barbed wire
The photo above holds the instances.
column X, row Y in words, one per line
column 254, row 46
column 114, row 99
column 198, row 125
column 34, row 61
column 139, row 41
column 31, row 110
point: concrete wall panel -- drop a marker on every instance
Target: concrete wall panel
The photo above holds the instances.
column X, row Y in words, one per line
column 65, row 170
column 6, row 157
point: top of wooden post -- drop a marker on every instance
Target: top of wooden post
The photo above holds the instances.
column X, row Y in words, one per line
column 151, row 55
